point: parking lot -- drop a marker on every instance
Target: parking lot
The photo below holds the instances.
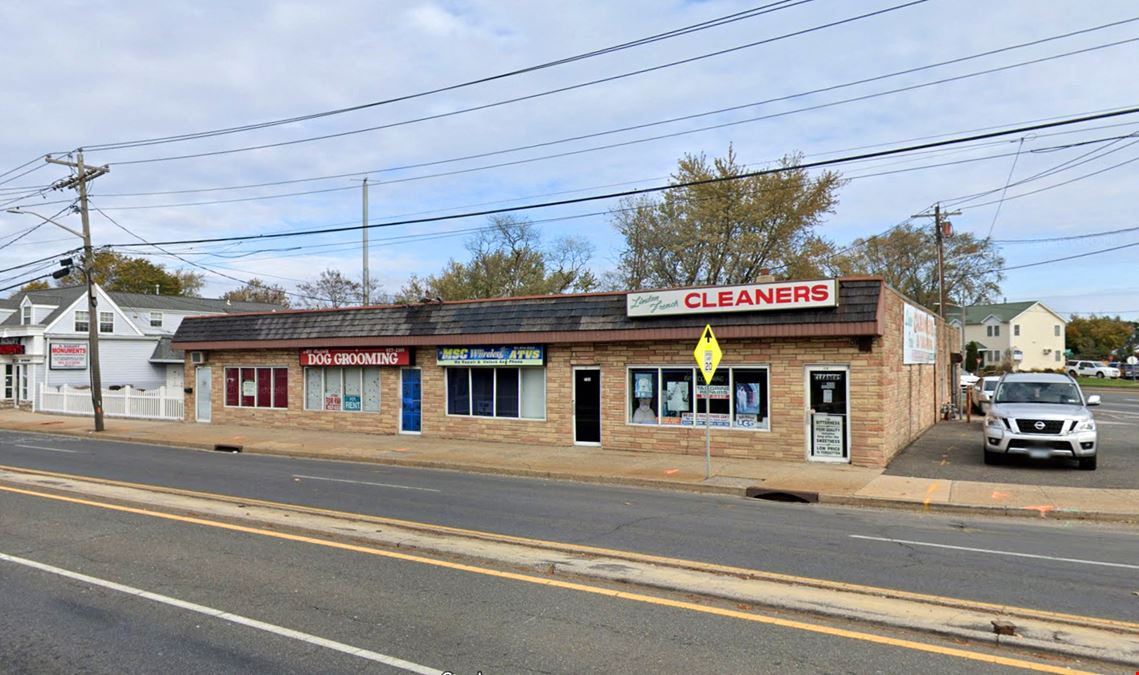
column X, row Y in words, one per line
column 952, row 451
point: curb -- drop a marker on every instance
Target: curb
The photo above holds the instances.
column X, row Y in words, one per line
column 848, row 500
column 1041, row 630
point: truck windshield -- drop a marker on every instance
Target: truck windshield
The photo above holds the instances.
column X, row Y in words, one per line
column 1062, row 393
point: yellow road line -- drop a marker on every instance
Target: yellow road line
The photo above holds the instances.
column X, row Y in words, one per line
column 616, row 553
column 573, row 586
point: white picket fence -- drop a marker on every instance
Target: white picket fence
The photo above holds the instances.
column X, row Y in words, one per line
column 153, row 404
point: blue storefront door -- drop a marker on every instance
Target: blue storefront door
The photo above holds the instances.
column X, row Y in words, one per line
column 410, row 400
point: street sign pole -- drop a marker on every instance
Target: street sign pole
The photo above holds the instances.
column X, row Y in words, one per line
column 707, row 355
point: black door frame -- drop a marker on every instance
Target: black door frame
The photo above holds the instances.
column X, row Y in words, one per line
column 834, row 368
column 576, row 370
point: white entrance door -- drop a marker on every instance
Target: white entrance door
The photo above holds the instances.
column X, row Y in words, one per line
column 203, row 393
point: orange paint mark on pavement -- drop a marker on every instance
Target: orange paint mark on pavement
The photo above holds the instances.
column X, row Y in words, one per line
column 399, row 449
column 671, row 471
column 998, row 495
column 1044, row 509
column 929, row 494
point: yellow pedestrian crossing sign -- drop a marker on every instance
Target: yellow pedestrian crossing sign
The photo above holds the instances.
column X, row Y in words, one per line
column 707, row 354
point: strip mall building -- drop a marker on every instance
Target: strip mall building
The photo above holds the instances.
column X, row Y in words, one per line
column 842, row 370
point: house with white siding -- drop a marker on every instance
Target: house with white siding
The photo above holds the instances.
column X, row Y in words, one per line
column 43, row 339
column 1028, row 335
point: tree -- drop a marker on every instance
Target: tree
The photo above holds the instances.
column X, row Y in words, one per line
column 37, row 285
column 117, row 272
column 508, row 259
column 726, row 231
column 256, row 290
column 906, row 257
column 333, row 289
column 971, row 360
column 1098, row 337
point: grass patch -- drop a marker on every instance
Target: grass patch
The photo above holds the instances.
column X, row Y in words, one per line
column 1108, row 383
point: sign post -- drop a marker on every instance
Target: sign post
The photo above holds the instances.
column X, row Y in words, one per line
column 707, row 355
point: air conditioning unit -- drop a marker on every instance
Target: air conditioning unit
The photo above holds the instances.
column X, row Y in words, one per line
column 198, row 358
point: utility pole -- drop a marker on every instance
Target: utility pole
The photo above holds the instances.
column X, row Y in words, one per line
column 940, row 230
column 364, row 229
column 79, row 181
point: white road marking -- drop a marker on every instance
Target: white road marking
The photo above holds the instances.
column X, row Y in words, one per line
column 364, row 482
column 43, row 447
column 994, row 552
column 226, row 616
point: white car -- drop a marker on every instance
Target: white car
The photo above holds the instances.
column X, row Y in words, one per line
column 1091, row 369
column 968, row 379
column 983, row 391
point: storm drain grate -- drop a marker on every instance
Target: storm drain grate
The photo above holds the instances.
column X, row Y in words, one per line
column 227, row 447
column 777, row 495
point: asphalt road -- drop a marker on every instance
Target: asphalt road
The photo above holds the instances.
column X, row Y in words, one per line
column 1070, row 567
column 284, row 598
column 953, row 452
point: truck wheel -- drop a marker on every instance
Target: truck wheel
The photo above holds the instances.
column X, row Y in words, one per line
column 1072, row 373
column 998, row 458
column 1087, row 463
column 1099, row 374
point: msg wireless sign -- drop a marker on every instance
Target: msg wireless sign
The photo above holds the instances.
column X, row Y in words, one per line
column 745, row 298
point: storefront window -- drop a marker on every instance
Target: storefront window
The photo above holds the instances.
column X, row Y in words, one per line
column 342, row 389
column 643, row 391
column 533, row 393
column 506, row 392
column 459, row 391
column 497, row 392
column 737, row 397
column 676, row 390
column 257, row 387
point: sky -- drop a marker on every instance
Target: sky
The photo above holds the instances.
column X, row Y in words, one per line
column 92, row 74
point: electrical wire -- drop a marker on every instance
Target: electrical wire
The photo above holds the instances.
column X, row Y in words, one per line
column 629, row 142
column 671, row 120
column 1038, row 263
column 1074, row 237
column 662, row 188
column 996, row 215
column 685, row 30
column 517, row 99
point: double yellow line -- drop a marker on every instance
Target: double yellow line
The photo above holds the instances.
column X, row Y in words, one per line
column 547, row 582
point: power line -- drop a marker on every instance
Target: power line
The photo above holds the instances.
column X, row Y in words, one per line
column 685, row 30
column 629, row 142
column 1112, row 249
column 527, row 97
column 1067, row 182
column 661, row 188
column 1074, row 237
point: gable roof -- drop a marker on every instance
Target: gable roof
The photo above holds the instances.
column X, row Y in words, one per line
column 555, row 318
column 1005, row 312
column 62, row 298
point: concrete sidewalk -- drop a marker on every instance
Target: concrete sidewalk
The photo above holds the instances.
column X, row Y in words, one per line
column 836, row 484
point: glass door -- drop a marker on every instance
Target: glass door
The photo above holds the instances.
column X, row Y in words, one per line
column 828, row 414
column 411, row 400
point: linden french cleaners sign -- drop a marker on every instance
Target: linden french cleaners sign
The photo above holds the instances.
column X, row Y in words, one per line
column 746, row 298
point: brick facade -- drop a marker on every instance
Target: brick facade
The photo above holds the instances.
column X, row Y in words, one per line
column 890, row 403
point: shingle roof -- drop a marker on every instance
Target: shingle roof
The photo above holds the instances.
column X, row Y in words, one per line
column 572, row 317
column 63, row 297
column 177, row 303
column 164, row 353
column 1006, row 311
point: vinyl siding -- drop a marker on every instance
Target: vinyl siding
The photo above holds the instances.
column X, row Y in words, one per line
column 121, row 362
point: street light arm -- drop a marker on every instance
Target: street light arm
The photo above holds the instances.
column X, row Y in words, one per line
column 47, row 220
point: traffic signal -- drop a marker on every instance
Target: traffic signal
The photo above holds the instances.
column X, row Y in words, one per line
column 64, row 269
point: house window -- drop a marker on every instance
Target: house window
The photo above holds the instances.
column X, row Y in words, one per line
column 1056, row 330
column 1057, row 357
column 82, row 321
column 106, row 322
column 156, row 319
column 26, row 315
column 737, row 397
column 988, row 331
column 257, row 387
column 507, row 392
column 342, row 389
column 1016, row 330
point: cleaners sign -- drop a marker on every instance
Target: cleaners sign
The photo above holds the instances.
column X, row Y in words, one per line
column 746, row 298
column 384, row 356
